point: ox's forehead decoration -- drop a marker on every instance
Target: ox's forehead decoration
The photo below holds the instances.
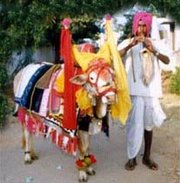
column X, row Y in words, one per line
column 101, row 77
column 98, row 79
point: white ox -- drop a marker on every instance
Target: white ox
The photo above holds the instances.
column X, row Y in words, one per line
column 97, row 81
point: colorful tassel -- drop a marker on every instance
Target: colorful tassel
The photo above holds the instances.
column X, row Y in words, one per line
column 21, row 115
column 86, row 162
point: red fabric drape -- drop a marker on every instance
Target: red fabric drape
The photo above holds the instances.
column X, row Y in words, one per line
column 69, row 120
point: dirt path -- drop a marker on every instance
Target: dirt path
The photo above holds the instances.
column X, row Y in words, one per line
column 56, row 167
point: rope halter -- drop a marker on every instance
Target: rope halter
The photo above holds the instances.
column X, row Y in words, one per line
column 100, row 78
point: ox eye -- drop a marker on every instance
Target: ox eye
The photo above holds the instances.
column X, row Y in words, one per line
column 92, row 77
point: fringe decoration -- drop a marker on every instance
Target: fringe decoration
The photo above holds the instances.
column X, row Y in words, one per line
column 35, row 125
column 31, row 125
column 21, row 115
column 67, row 144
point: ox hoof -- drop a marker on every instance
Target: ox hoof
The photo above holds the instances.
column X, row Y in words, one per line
column 83, row 180
column 90, row 171
column 83, row 176
column 34, row 157
column 28, row 162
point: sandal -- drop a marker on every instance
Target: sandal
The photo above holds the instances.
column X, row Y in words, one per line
column 130, row 165
column 150, row 164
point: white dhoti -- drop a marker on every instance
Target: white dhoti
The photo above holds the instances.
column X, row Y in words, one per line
column 146, row 113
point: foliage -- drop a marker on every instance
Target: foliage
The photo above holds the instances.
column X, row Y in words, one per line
column 175, row 82
column 4, row 109
column 166, row 7
column 4, row 105
column 3, row 77
column 36, row 23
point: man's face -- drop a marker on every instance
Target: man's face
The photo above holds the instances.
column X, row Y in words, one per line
column 142, row 30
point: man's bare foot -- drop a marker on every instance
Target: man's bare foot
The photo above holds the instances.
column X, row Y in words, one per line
column 150, row 164
column 130, row 165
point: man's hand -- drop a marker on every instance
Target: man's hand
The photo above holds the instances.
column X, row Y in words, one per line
column 137, row 39
column 160, row 56
column 149, row 45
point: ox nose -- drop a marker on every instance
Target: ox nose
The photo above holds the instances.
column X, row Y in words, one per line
column 109, row 99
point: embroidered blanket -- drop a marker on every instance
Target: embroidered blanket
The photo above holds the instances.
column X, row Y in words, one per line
column 43, row 99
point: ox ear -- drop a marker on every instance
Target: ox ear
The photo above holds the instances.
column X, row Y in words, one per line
column 80, row 79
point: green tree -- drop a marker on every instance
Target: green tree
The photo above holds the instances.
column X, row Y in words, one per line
column 36, row 23
column 175, row 82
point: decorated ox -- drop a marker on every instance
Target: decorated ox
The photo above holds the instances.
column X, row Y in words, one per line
column 49, row 102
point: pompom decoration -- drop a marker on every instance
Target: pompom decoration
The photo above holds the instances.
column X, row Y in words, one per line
column 66, row 22
column 108, row 17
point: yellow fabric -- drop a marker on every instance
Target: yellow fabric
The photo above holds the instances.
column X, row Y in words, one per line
column 122, row 107
column 59, row 82
column 83, row 59
column 84, row 101
column 110, row 53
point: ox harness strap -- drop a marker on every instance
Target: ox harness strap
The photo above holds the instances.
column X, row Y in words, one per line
column 100, row 67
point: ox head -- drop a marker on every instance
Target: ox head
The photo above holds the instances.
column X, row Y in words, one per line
column 98, row 80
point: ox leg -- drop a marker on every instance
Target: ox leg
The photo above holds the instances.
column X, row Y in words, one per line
column 27, row 144
column 34, row 156
column 27, row 158
column 85, row 167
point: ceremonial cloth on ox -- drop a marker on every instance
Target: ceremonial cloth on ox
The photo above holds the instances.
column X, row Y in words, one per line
column 29, row 90
column 110, row 54
column 44, row 81
column 21, row 82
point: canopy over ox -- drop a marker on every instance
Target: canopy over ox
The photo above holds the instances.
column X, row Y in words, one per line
column 68, row 102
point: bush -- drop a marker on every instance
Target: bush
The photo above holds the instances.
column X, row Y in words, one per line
column 4, row 104
column 3, row 77
column 175, row 82
column 4, row 109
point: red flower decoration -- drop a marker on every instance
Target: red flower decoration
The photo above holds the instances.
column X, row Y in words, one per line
column 108, row 17
column 66, row 22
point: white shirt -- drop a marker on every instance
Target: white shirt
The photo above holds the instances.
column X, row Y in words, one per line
column 137, row 88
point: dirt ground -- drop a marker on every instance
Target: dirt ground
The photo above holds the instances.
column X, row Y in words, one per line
column 54, row 166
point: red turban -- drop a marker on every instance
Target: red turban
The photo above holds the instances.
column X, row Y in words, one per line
column 145, row 17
